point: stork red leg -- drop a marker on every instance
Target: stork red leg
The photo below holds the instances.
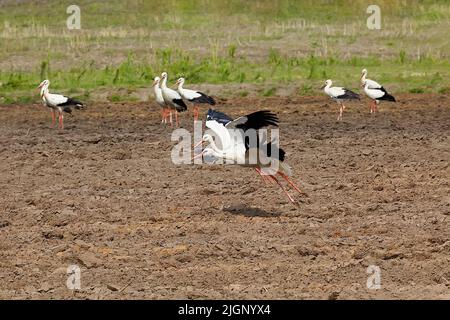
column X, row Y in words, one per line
column 163, row 115
column 263, row 176
column 285, row 177
column 341, row 110
column 285, row 191
column 170, row 118
column 373, row 107
column 196, row 113
column 168, row 114
column 61, row 121
column 53, row 118
column 176, row 118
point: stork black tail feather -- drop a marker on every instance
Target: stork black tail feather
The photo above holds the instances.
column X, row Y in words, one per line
column 276, row 149
column 72, row 103
column 180, row 105
column 218, row 116
column 350, row 95
column 388, row 97
column 204, row 99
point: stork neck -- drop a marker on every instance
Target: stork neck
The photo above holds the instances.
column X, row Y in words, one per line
column 363, row 78
column 156, row 88
column 164, row 83
column 44, row 92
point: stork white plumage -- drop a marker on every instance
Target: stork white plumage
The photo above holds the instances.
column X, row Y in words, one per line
column 374, row 91
column 377, row 94
column 58, row 102
column 238, row 147
column 171, row 97
column 339, row 94
column 165, row 111
column 195, row 97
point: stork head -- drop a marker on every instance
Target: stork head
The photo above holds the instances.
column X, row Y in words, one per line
column 327, row 84
column 206, row 138
column 180, row 81
column 44, row 85
column 164, row 75
column 156, row 81
column 363, row 74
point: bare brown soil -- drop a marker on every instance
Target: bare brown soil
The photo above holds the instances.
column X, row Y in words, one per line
column 104, row 195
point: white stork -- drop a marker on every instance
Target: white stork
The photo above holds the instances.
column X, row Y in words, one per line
column 377, row 94
column 373, row 90
column 339, row 94
column 58, row 102
column 172, row 98
column 238, row 146
column 196, row 97
column 160, row 100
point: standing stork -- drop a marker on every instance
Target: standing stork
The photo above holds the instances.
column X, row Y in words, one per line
column 373, row 89
column 236, row 146
column 160, row 100
column 339, row 94
column 196, row 97
column 58, row 102
column 172, row 98
column 377, row 94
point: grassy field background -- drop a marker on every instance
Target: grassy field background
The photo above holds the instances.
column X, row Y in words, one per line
column 254, row 47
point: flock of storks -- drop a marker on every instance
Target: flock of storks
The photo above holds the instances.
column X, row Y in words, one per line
column 230, row 139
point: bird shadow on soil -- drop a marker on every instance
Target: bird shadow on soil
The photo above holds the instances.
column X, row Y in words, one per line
column 250, row 211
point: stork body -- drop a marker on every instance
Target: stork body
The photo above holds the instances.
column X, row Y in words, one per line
column 376, row 95
column 58, row 103
column 236, row 146
column 172, row 98
column 195, row 97
column 165, row 111
column 374, row 91
column 339, row 94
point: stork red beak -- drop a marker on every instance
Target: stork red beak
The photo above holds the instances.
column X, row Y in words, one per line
column 199, row 143
column 154, row 83
column 321, row 88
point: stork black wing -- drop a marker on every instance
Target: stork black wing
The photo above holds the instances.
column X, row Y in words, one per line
column 180, row 105
column 218, row 116
column 257, row 120
column 203, row 99
column 72, row 102
column 348, row 95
